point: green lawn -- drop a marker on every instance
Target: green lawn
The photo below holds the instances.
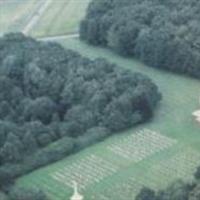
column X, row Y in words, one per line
column 61, row 17
column 157, row 168
column 14, row 14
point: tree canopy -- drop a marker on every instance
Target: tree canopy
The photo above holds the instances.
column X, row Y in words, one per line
column 163, row 34
column 53, row 102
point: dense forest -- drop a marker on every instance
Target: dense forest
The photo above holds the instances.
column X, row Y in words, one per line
column 163, row 34
column 53, row 102
column 179, row 190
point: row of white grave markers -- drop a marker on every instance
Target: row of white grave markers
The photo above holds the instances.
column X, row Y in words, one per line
column 93, row 169
column 182, row 165
column 87, row 171
column 140, row 145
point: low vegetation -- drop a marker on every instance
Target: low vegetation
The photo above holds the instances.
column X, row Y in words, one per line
column 53, row 102
column 163, row 34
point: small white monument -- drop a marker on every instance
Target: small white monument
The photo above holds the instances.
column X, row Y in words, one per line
column 196, row 114
column 76, row 195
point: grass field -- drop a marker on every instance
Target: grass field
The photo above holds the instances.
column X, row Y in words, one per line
column 61, row 17
column 153, row 154
column 14, row 14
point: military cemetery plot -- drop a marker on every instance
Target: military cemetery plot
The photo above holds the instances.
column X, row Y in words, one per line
column 140, row 145
column 123, row 190
column 183, row 164
column 87, row 171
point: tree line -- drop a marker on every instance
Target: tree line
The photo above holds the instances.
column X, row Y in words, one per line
column 17, row 193
column 163, row 34
column 53, row 102
column 178, row 190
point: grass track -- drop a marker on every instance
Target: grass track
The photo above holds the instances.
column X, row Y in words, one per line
column 172, row 118
column 62, row 17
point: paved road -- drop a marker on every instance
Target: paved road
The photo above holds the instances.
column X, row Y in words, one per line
column 54, row 38
column 36, row 16
column 59, row 37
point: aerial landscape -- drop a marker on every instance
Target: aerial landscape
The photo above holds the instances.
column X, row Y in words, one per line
column 99, row 100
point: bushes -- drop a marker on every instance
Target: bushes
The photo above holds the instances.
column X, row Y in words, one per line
column 161, row 34
column 22, row 194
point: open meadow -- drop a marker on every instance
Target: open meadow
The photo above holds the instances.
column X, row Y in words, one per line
column 55, row 18
column 166, row 148
column 60, row 18
column 14, row 14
